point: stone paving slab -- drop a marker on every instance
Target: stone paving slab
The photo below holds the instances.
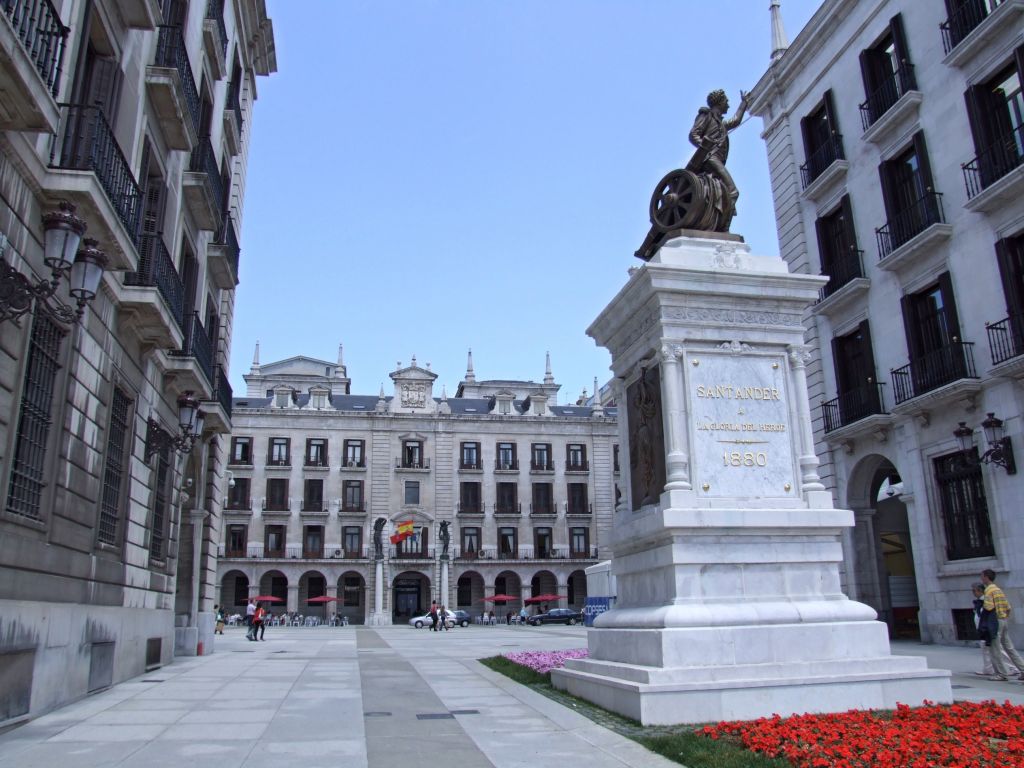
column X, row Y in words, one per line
column 355, row 697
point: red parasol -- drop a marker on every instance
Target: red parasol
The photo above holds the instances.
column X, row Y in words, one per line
column 543, row 599
column 501, row 598
column 267, row 599
column 323, row 599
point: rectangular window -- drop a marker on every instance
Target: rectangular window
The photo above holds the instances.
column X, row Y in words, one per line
column 161, row 504
column 352, row 592
column 859, row 393
column 911, row 203
column 274, row 540
column 615, row 458
column 352, row 540
column 540, row 457
column 464, row 592
column 237, row 541
column 238, row 495
column 277, row 494
column 937, row 354
column 542, row 542
column 469, row 498
column 415, row 545
column 506, row 457
column 316, row 452
column 470, row 456
column 470, row 541
column 25, row 493
column 576, row 457
column 1006, row 338
column 579, row 541
column 313, row 541
column 543, row 499
column 506, row 501
column 279, row 454
column 837, row 248
column 241, row 591
column 352, row 498
column 412, row 492
column 241, row 450
column 822, row 143
column 578, row 504
column 108, row 531
column 964, row 506
column 412, row 454
column 887, row 73
column 313, row 496
column 508, row 542
column 354, row 456
column 996, row 112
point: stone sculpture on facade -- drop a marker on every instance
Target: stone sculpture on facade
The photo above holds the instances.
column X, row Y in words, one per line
column 702, row 196
column 378, row 538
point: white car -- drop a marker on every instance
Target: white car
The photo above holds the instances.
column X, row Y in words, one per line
column 461, row 618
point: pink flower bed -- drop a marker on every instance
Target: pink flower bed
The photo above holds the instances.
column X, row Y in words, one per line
column 543, row 662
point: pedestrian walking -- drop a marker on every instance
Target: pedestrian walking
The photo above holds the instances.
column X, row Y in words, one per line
column 986, row 624
column 250, row 611
column 264, row 620
column 443, row 613
column 218, row 612
column 257, row 621
column 433, row 616
column 523, row 615
column 995, row 600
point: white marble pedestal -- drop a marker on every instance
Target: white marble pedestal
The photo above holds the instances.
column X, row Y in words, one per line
column 729, row 604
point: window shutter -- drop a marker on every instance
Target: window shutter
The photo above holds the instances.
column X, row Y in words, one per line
column 1018, row 58
column 899, row 40
column 805, row 131
column 825, row 255
column 1010, row 257
column 921, row 150
column 867, row 72
column 868, row 352
column 949, row 306
column 849, row 230
column 981, row 129
column 830, row 115
column 910, row 327
column 888, row 196
column 839, row 365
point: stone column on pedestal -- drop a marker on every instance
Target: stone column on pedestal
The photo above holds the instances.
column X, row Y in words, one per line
column 331, row 607
column 444, row 581
column 729, row 604
column 378, row 592
column 292, row 605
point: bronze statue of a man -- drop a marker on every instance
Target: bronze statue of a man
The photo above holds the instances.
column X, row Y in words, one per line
column 710, row 134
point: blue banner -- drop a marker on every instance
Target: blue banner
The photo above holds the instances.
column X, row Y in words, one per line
column 595, row 607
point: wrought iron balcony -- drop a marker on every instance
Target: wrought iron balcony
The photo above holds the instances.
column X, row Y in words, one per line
column 157, row 270
column 322, row 463
column 198, row 346
column 853, row 406
column 1006, row 338
column 38, row 26
column 223, row 253
column 286, row 462
column 506, row 465
column 353, row 505
column 967, row 17
column 473, row 465
column 242, row 505
column 314, row 505
column 470, row 509
column 508, row 508
column 821, row 159
column 543, row 510
column 887, row 94
column 313, row 554
column 577, row 466
column 994, row 162
column 203, row 186
column 87, row 143
column 277, row 505
column 222, row 391
column 423, row 553
column 579, row 510
column 542, row 466
column 215, row 13
column 409, row 464
column 909, row 223
column 849, row 266
column 933, row 370
column 172, row 54
column 233, row 106
column 359, row 553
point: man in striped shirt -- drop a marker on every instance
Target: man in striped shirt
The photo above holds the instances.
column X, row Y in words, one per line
column 995, row 600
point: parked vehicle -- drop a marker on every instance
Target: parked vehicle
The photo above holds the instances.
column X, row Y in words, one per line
column 557, row 616
column 453, row 618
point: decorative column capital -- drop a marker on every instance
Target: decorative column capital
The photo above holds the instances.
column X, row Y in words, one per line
column 671, row 353
column 799, row 355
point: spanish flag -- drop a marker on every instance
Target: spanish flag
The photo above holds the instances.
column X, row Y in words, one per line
column 405, row 530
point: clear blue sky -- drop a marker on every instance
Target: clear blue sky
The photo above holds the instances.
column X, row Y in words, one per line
column 427, row 176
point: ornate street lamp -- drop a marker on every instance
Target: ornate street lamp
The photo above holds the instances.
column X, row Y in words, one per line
column 83, row 266
column 1000, row 448
column 190, row 427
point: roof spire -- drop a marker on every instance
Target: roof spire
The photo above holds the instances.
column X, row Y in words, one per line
column 470, row 376
column 256, row 355
column 598, row 407
column 779, row 40
column 341, row 355
column 548, row 378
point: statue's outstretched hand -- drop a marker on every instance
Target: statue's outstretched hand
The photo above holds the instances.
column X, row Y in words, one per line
column 743, row 98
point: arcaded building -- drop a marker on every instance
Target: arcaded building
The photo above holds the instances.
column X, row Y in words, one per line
column 895, row 137
column 124, row 133
column 526, row 486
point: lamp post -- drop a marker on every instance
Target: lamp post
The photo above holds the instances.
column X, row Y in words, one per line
column 190, row 427
column 1000, row 448
column 68, row 256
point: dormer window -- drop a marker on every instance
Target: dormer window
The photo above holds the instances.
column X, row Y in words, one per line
column 318, row 398
column 282, row 398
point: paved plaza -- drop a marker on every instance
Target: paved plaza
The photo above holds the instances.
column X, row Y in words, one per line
column 388, row 696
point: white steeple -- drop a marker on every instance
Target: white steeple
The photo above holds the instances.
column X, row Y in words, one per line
column 470, row 376
column 341, row 359
column 779, row 40
column 548, row 378
column 256, row 357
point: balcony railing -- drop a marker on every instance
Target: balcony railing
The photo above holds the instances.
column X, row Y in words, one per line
column 227, row 239
column 933, row 370
column 407, row 464
column 581, row 465
column 215, row 12
column 506, row 465
column 579, row 509
column 887, row 94
column 38, row 26
column 198, row 346
column 508, row 508
column 524, row 553
column 968, row 16
column 233, row 106
column 470, row 465
column 203, row 160
column 543, row 509
column 353, row 506
column 425, row 553
column 313, row 505
column 354, row 464
column 242, row 505
column 909, row 223
column 1006, row 338
column 313, row 554
column 286, row 462
column 171, row 53
column 542, row 466
column 222, row 391
column 156, row 269
column 822, row 158
column 87, row 144
column 261, row 552
column 277, row 505
column 470, row 509
column 853, row 406
column 322, row 463
column 994, row 162
column 849, row 266
column 359, row 553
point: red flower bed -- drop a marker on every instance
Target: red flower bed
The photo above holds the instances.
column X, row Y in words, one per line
column 964, row 735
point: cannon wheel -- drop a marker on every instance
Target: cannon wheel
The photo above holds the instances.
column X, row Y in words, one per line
column 672, row 199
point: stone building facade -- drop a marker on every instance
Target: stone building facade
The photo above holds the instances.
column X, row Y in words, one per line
column 525, row 487
column 138, row 114
column 895, row 137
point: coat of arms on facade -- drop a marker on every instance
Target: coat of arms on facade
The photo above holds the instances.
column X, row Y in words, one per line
column 414, row 395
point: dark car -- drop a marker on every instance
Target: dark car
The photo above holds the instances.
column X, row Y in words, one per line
column 557, row 616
